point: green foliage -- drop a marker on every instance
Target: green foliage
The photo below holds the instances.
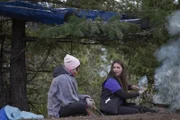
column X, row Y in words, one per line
column 156, row 12
column 89, row 79
column 82, row 28
column 137, row 52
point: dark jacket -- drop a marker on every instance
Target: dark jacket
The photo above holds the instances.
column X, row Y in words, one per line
column 111, row 100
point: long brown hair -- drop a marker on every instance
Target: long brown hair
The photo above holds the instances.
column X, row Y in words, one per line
column 122, row 78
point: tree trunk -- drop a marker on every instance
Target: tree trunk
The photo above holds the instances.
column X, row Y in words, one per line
column 2, row 87
column 18, row 75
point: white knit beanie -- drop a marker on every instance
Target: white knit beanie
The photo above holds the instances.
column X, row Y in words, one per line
column 71, row 62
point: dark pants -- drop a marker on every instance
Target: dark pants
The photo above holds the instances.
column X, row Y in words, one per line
column 74, row 109
column 131, row 109
column 134, row 109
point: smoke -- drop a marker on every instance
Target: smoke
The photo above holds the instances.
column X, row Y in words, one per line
column 167, row 76
column 174, row 23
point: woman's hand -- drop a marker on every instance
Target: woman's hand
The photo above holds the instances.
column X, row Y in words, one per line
column 90, row 102
column 142, row 90
column 135, row 87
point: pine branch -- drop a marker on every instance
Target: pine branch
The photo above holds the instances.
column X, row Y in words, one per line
column 92, row 40
column 48, row 52
column 48, row 71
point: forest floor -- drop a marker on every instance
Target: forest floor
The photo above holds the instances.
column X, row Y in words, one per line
column 145, row 116
column 162, row 114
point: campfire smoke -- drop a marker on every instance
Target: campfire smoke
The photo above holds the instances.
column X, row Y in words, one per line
column 167, row 76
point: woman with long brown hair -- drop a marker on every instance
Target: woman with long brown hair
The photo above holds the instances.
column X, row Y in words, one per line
column 115, row 93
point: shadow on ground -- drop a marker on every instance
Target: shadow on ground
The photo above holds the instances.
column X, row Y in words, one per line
column 145, row 116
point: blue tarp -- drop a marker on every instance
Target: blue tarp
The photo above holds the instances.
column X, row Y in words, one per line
column 13, row 113
column 35, row 12
column 3, row 114
column 30, row 12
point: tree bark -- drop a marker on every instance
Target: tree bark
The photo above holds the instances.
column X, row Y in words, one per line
column 2, row 87
column 18, row 75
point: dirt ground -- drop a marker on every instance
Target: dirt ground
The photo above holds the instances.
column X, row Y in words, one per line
column 162, row 114
column 145, row 116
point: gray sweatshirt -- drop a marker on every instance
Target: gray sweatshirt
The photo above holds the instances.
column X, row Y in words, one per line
column 63, row 91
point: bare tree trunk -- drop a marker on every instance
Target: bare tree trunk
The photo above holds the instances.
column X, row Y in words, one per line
column 18, row 75
column 2, row 87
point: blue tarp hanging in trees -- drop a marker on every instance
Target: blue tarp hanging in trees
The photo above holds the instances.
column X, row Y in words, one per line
column 37, row 13
column 30, row 12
